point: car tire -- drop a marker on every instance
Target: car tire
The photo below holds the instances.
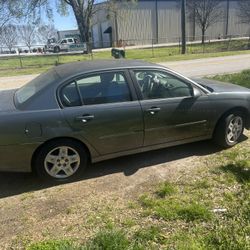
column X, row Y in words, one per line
column 229, row 130
column 61, row 160
column 56, row 50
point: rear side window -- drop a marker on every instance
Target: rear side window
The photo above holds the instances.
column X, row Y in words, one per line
column 108, row 87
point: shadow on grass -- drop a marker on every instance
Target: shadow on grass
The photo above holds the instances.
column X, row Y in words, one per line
column 18, row 183
column 240, row 170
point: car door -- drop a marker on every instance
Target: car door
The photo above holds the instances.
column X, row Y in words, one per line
column 171, row 112
column 63, row 44
column 102, row 108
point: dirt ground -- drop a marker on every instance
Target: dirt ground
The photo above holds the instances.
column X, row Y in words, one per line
column 31, row 210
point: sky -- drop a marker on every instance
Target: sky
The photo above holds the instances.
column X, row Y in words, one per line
column 63, row 22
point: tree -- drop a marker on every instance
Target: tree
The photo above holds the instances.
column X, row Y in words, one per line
column 9, row 36
column 46, row 32
column 9, row 10
column 82, row 9
column 28, row 34
column 244, row 11
column 206, row 13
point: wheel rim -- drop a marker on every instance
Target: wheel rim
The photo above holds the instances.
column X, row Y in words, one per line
column 62, row 162
column 234, row 129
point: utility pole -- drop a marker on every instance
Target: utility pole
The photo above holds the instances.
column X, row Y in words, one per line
column 156, row 22
column 183, row 26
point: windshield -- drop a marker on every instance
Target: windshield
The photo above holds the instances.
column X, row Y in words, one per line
column 33, row 87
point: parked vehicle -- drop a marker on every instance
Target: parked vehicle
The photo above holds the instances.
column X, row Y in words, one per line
column 91, row 111
column 65, row 44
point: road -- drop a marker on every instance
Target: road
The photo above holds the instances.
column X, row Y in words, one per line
column 210, row 66
column 191, row 68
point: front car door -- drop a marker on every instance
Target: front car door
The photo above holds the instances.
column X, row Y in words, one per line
column 102, row 108
column 171, row 112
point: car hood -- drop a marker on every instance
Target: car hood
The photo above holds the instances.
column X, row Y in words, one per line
column 7, row 100
column 216, row 86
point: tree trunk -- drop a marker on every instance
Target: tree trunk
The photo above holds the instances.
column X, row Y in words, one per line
column 83, row 29
column 203, row 35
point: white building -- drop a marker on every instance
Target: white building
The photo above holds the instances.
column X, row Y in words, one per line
column 159, row 21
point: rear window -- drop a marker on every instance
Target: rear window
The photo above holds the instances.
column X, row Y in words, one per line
column 33, row 87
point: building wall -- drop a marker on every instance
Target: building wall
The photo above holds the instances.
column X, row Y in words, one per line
column 235, row 26
column 137, row 24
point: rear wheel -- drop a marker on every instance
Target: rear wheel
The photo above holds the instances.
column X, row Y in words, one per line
column 61, row 160
column 229, row 130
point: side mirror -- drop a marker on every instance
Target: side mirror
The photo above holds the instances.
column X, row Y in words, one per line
column 196, row 93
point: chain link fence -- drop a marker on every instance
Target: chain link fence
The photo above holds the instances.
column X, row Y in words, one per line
column 147, row 49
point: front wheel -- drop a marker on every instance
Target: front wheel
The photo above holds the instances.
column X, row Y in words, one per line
column 61, row 160
column 56, row 49
column 229, row 130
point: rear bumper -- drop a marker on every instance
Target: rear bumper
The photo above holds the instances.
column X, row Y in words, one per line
column 17, row 158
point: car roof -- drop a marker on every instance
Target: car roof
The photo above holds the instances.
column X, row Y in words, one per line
column 72, row 69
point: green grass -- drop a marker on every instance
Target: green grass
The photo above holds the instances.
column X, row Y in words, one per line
column 53, row 245
column 242, row 78
column 165, row 189
column 36, row 64
column 109, row 239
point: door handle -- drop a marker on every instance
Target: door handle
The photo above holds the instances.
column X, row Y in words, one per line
column 84, row 118
column 153, row 110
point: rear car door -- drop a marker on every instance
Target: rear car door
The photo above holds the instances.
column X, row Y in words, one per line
column 103, row 109
column 171, row 112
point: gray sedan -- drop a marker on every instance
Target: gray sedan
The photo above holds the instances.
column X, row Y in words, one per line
column 91, row 111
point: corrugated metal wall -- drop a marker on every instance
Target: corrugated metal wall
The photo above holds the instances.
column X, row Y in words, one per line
column 137, row 24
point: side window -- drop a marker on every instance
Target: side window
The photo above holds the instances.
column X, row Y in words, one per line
column 157, row 84
column 63, row 41
column 70, row 40
column 100, row 88
column 70, row 96
column 104, row 88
